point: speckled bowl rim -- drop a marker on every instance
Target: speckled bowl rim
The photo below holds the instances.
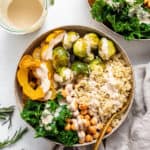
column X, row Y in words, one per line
column 82, row 30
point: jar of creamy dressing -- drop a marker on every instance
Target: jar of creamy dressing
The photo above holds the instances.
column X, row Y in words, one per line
column 22, row 16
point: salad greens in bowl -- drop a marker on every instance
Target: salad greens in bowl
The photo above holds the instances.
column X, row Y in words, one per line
column 130, row 18
column 70, row 82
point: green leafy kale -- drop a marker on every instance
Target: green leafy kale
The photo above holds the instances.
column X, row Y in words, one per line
column 59, row 97
column 68, row 137
column 117, row 19
column 32, row 113
column 52, row 105
column 63, row 115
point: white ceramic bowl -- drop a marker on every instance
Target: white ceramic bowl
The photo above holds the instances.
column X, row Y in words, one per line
column 81, row 30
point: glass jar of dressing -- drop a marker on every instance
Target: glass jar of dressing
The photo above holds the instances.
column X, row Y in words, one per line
column 22, row 16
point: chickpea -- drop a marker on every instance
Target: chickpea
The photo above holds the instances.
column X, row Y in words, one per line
column 147, row 3
column 92, row 129
column 109, row 129
column 84, row 112
column 87, row 117
column 64, row 93
column 88, row 138
column 68, row 120
column 86, row 123
column 74, row 125
column 81, row 141
column 96, row 135
column 93, row 121
column 100, row 126
column 81, row 116
column 83, row 106
column 68, row 127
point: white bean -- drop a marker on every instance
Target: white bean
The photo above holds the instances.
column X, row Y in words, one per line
column 73, row 106
column 69, row 88
column 69, row 99
column 81, row 134
column 76, row 113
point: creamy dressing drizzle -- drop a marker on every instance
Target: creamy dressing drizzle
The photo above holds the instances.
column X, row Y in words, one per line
column 47, row 55
column 88, row 49
column 68, row 41
column 143, row 16
column 47, row 117
column 105, row 46
column 130, row 1
column 68, row 74
column 42, row 74
column 112, row 3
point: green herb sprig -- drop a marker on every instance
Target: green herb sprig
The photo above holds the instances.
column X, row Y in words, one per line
column 6, row 114
column 51, row 2
column 17, row 136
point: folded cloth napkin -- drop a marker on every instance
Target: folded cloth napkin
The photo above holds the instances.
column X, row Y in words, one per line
column 134, row 134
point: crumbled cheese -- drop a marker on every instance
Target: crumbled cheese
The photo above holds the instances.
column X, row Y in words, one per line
column 58, row 110
column 130, row 1
column 112, row 3
column 47, row 119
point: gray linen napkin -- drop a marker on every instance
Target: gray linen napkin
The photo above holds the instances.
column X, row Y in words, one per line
column 134, row 134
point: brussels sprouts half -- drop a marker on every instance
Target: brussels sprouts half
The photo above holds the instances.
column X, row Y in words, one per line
column 80, row 48
column 93, row 40
column 106, row 49
column 69, row 39
column 80, row 67
column 60, row 57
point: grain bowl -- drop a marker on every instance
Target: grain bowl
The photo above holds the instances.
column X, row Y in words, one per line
column 70, row 81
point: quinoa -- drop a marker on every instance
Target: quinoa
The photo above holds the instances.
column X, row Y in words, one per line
column 105, row 91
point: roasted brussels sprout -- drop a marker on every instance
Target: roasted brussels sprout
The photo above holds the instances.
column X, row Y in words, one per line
column 80, row 67
column 65, row 73
column 80, row 48
column 89, row 58
column 60, row 57
column 96, row 64
column 92, row 39
column 106, row 49
column 69, row 39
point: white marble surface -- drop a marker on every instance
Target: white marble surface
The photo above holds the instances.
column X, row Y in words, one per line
column 64, row 12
